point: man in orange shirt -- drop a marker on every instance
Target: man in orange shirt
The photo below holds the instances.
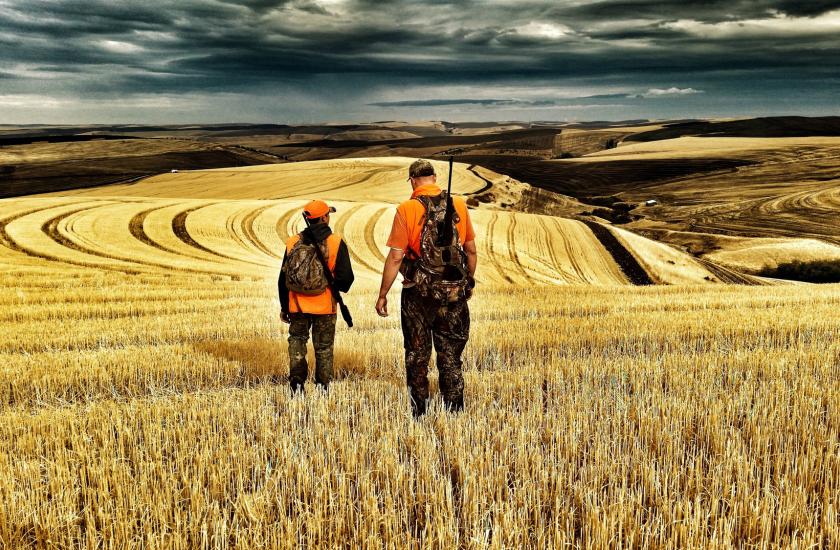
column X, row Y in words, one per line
column 425, row 317
column 306, row 301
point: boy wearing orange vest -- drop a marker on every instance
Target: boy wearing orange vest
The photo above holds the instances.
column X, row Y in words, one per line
column 315, row 312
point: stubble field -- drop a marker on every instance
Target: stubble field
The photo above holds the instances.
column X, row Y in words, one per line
column 144, row 401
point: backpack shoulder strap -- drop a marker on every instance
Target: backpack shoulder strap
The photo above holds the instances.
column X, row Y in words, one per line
column 292, row 241
column 430, row 202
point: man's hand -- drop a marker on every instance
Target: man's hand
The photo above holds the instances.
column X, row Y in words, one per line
column 284, row 316
column 382, row 306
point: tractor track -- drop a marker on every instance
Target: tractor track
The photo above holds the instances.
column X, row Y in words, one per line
column 282, row 226
column 248, row 229
column 370, row 234
column 512, row 252
column 543, row 267
column 339, row 229
column 138, row 231
column 552, row 254
column 51, row 229
column 574, row 256
column 10, row 243
column 231, row 223
column 727, row 275
column 491, row 251
column 332, row 189
column 179, row 227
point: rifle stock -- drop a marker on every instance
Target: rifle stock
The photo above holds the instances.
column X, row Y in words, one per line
column 345, row 311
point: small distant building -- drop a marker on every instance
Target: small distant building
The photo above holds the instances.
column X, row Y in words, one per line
column 651, row 202
column 174, row 171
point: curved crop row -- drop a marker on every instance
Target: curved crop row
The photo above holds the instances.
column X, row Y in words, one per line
column 246, row 239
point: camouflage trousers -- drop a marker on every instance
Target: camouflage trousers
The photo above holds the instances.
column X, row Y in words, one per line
column 426, row 322
column 323, row 337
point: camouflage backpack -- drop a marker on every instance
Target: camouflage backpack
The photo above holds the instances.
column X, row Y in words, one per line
column 304, row 271
column 440, row 272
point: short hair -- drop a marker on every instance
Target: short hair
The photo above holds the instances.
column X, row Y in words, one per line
column 420, row 168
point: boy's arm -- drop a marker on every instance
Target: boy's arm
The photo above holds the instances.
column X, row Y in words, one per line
column 283, row 291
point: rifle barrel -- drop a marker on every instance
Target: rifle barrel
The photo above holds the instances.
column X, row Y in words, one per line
column 445, row 236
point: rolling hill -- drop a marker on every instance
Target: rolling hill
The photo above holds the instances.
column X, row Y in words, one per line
column 232, row 223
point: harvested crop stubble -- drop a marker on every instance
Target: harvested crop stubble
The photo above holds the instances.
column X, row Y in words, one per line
column 676, row 416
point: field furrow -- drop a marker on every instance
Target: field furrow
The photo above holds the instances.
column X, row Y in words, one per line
column 491, row 246
column 250, row 230
column 358, row 253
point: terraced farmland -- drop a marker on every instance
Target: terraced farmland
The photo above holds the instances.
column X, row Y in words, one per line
column 236, row 235
column 242, row 239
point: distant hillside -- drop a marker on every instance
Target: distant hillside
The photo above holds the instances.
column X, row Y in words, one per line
column 73, row 162
column 785, row 126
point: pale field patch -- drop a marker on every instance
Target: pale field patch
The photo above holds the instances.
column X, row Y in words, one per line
column 704, row 146
column 754, row 254
column 373, row 179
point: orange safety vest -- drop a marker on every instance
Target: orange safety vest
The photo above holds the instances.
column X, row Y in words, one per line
column 319, row 304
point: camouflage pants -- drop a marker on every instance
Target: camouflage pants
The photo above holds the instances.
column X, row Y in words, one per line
column 323, row 337
column 425, row 322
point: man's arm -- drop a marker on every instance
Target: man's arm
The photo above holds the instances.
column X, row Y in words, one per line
column 398, row 244
column 343, row 272
column 389, row 274
column 472, row 257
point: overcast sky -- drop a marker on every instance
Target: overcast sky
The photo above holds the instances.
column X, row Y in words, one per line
column 294, row 61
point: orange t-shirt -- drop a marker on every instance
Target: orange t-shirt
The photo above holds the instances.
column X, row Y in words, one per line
column 411, row 215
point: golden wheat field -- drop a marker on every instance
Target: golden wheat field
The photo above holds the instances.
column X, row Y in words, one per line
column 144, row 400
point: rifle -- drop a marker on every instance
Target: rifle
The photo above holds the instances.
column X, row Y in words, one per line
column 445, row 233
column 345, row 312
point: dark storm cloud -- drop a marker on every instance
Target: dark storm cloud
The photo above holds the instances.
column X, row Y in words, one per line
column 707, row 11
column 366, row 49
column 449, row 102
column 483, row 102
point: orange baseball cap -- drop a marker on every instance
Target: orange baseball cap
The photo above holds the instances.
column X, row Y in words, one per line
column 315, row 209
